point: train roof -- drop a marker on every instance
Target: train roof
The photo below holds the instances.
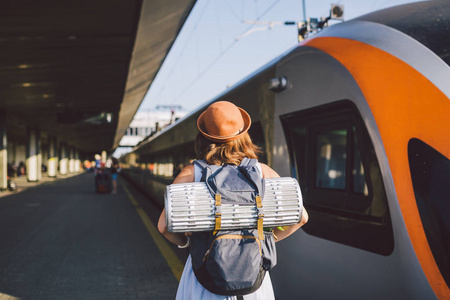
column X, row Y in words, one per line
column 427, row 22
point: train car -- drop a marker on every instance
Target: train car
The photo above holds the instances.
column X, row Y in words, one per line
column 360, row 114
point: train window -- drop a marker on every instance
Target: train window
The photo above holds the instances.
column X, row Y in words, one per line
column 331, row 159
column 430, row 174
column 334, row 160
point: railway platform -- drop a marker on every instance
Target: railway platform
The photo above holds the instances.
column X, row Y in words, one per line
column 61, row 240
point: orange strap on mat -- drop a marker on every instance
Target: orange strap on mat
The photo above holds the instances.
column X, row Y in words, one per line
column 260, row 217
column 218, row 213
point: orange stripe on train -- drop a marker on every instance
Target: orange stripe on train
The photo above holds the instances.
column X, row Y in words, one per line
column 405, row 105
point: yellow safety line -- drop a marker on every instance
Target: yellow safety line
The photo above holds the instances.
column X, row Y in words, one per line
column 171, row 258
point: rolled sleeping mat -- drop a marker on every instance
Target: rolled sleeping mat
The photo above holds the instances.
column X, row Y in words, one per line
column 190, row 207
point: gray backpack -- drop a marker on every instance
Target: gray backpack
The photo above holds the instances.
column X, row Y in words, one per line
column 233, row 262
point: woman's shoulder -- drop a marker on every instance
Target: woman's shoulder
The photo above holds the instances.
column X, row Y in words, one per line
column 268, row 172
column 187, row 174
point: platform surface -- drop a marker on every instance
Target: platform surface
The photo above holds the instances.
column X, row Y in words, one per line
column 61, row 240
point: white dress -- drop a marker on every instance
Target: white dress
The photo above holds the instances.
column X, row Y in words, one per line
column 190, row 289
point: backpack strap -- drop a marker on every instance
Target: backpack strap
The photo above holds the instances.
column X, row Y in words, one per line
column 218, row 213
column 201, row 163
column 247, row 162
column 260, row 223
column 206, row 172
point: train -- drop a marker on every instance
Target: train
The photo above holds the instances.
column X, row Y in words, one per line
column 359, row 113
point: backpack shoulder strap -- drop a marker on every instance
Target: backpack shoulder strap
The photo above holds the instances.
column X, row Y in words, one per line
column 201, row 163
column 206, row 172
column 249, row 165
column 248, row 162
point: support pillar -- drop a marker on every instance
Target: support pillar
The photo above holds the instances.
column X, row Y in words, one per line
column 64, row 162
column 3, row 154
column 52, row 164
column 71, row 160
column 39, row 157
column 77, row 161
column 33, row 158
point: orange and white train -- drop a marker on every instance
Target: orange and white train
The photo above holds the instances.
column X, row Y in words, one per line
column 360, row 114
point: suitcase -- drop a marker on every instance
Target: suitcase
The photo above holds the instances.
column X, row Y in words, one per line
column 102, row 183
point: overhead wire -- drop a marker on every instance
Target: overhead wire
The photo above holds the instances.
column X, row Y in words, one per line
column 219, row 27
column 224, row 52
column 182, row 50
column 233, row 12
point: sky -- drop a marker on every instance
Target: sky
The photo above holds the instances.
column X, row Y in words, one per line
column 224, row 41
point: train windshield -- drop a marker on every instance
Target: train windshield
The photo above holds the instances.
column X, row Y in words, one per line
column 334, row 159
column 430, row 174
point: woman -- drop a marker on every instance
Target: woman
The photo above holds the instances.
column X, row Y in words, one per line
column 223, row 139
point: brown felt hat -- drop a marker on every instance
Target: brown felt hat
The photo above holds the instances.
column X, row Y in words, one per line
column 223, row 122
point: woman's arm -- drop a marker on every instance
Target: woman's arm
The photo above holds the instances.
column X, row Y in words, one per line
column 186, row 175
column 288, row 230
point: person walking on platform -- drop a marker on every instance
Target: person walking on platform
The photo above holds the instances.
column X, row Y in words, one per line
column 114, row 174
column 223, row 140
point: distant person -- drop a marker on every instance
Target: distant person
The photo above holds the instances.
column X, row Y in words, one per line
column 102, row 179
column 151, row 168
column 114, row 174
column 97, row 163
column 21, row 169
column 87, row 165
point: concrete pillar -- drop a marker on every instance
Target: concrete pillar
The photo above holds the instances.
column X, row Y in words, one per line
column 33, row 158
column 52, row 164
column 39, row 158
column 64, row 161
column 77, row 161
column 3, row 154
column 71, row 160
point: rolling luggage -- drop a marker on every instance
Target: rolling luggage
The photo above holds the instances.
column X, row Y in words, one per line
column 102, row 183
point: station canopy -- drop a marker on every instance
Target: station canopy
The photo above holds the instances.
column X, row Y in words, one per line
column 78, row 70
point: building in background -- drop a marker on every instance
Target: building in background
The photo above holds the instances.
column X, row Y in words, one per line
column 147, row 123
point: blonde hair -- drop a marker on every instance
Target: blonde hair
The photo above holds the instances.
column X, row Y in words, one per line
column 226, row 153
